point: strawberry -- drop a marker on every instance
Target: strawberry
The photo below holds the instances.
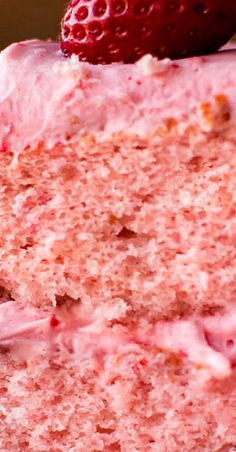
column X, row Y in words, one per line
column 106, row 31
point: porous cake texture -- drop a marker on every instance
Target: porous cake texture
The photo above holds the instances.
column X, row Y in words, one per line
column 118, row 261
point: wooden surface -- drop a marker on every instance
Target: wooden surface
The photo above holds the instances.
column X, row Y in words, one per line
column 26, row 19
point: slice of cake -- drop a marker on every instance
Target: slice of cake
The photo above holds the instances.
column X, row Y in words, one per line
column 118, row 261
column 117, row 253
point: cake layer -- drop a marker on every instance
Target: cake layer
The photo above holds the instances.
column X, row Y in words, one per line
column 138, row 398
column 150, row 226
column 52, row 100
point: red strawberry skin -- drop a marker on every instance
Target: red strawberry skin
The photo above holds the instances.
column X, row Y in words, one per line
column 107, row 31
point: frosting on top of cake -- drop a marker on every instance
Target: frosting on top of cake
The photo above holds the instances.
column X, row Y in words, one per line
column 48, row 99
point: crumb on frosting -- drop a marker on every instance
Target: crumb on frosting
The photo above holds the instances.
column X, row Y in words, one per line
column 150, row 65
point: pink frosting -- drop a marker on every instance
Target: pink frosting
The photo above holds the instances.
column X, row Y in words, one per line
column 208, row 343
column 17, row 322
column 47, row 98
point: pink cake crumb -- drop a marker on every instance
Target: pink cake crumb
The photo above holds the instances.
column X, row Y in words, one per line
column 107, row 246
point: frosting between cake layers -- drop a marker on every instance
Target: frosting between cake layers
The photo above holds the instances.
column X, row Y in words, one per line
column 208, row 343
column 45, row 98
